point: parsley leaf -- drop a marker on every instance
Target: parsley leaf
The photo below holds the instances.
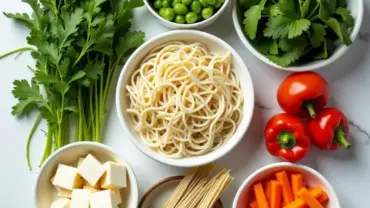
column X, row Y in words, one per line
column 340, row 30
column 288, row 24
column 289, row 57
column 346, row 17
column 318, row 35
column 327, row 8
column 23, row 90
column 252, row 16
column 23, row 106
column 284, row 27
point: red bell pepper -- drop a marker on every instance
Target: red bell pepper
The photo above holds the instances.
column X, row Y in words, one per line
column 329, row 129
column 303, row 94
column 287, row 137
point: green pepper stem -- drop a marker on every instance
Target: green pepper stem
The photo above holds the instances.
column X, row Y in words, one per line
column 311, row 109
column 341, row 138
column 287, row 140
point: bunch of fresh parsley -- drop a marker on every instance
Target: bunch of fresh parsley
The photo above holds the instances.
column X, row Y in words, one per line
column 78, row 46
column 296, row 31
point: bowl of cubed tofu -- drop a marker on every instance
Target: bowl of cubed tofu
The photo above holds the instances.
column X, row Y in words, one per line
column 86, row 175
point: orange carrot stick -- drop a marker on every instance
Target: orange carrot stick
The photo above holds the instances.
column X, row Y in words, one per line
column 253, row 204
column 268, row 190
column 309, row 199
column 297, row 184
column 276, row 192
column 299, row 203
column 322, row 197
column 260, row 196
column 282, row 177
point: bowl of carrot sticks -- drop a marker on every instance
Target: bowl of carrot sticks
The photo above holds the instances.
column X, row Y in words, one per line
column 286, row 185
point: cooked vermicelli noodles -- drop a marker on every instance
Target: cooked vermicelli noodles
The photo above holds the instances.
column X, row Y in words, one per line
column 184, row 100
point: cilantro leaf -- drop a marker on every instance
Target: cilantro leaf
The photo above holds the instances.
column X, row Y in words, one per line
column 252, row 16
column 284, row 27
column 77, row 76
column 43, row 78
column 130, row 41
column 24, row 106
column 71, row 22
column 46, row 114
column 274, row 50
column 324, row 53
column 289, row 57
column 340, row 30
column 274, row 10
column 23, row 90
column 318, row 34
column 288, row 9
column 346, row 16
column 24, row 17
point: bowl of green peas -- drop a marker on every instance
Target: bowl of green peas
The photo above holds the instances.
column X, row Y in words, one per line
column 186, row 14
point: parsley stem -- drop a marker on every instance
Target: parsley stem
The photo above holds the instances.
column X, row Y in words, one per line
column 33, row 129
column 16, row 51
column 48, row 145
column 313, row 11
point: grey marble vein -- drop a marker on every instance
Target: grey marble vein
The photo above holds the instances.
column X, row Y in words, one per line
column 360, row 130
column 364, row 37
column 262, row 107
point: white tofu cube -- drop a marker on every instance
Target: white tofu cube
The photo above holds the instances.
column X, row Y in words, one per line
column 80, row 160
column 61, row 203
column 67, row 177
column 97, row 185
column 92, row 189
column 114, row 177
column 103, row 199
column 80, row 198
column 117, row 196
column 64, row 192
column 91, row 170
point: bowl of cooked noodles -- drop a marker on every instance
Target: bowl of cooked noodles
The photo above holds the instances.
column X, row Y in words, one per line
column 185, row 98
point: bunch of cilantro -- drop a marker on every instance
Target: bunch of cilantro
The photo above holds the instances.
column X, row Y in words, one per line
column 290, row 32
column 78, row 46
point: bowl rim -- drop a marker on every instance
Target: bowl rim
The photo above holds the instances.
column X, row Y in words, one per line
column 340, row 51
column 285, row 164
column 51, row 158
column 178, row 162
column 200, row 24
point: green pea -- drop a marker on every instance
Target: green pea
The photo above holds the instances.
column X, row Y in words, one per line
column 218, row 3
column 180, row 19
column 166, row 4
column 180, row 9
column 196, row 7
column 207, row 12
column 167, row 14
column 203, row 3
column 161, row 12
column 174, row 2
column 191, row 17
column 211, row 2
column 186, row 2
column 158, row 4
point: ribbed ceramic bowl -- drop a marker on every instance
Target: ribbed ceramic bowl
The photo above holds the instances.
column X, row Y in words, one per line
column 357, row 9
column 45, row 192
column 311, row 176
column 197, row 25
column 214, row 44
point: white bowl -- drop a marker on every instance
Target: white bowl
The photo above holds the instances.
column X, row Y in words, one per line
column 357, row 9
column 197, row 25
column 214, row 44
column 311, row 176
column 45, row 193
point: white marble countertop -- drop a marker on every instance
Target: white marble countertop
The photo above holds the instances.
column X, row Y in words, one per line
column 349, row 79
